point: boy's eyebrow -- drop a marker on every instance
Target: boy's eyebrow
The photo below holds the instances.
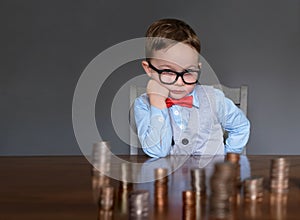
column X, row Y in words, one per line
column 192, row 66
column 166, row 66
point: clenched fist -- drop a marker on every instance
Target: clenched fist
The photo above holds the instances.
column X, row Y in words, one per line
column 157, row 94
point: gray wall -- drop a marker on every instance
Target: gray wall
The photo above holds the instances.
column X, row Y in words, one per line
column 46, row 44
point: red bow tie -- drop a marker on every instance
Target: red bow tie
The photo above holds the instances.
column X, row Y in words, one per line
column 186, row 101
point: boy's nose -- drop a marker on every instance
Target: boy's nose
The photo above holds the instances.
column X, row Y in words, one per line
column 179, row 82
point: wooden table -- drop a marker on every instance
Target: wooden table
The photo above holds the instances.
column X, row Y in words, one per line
column 61, row 188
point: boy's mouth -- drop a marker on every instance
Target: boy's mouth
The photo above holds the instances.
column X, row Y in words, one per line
column 177, row 91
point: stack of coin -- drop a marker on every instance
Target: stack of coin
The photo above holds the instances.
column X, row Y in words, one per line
column 100, row 166
column 161, row 187
column 253, row 189
column 189, row 205
column 232, row 157
column 279, row 175
column 139, row 204
column 126, row 176
column 106, row 200
column 198, row 181
column 198, row 186
column 101, row 158
column 221, row 189
column 99, row 181
column 235, row 159
column 125, row 187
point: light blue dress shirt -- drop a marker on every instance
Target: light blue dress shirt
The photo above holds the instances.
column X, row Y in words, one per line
column 155, row 131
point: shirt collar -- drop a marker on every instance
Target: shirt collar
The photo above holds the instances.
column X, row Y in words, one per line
column 195, row 98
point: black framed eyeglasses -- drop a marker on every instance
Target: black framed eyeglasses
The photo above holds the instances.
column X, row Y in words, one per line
column 169, row 77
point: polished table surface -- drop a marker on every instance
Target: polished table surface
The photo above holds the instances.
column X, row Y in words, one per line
column 61, row 188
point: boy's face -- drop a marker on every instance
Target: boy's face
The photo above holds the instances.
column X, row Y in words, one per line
column 178, row 57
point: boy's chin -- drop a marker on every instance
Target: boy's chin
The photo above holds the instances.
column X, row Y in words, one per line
column 177, row 96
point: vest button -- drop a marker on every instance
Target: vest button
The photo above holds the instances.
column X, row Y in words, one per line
column 185, row 141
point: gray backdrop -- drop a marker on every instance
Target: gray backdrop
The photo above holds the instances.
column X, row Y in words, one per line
column 46, row 44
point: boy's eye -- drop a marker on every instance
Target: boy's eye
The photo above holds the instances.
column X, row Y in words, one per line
column 188, row 74
column 168, row 73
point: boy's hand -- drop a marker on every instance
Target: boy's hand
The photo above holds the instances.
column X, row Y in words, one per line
column 157, row 94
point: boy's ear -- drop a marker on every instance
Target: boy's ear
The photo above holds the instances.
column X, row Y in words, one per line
column 147, row 69
column 200, row 65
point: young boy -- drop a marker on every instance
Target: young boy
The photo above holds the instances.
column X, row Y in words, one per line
column 177, row 115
